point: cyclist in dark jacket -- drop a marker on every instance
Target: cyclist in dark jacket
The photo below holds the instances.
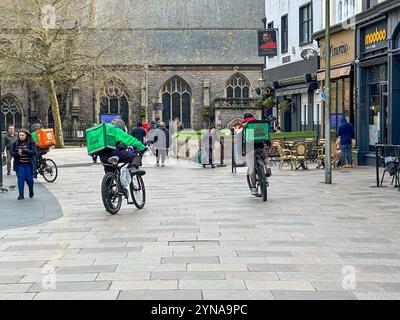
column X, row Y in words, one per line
column 251, row 152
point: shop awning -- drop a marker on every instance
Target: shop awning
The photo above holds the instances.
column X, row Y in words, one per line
column 296, row 89
column 335, row 73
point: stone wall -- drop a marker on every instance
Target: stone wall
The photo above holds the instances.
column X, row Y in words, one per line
column 89, row 98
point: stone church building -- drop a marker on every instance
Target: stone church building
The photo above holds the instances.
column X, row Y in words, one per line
column 196, row 60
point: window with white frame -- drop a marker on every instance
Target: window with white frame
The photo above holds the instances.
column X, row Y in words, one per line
column 304, row 114
column 317, row 114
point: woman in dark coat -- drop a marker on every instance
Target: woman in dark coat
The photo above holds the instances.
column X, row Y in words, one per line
column 23, row 152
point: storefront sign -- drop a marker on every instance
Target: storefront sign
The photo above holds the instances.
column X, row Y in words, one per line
column 267, row 43
column 309, row 54
column 374, row 37
column 342, row 48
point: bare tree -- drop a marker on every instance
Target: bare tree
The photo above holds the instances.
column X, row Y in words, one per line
column 54, row 42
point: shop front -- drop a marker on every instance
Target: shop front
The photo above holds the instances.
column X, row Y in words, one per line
column 378, row 81
column 342, row 53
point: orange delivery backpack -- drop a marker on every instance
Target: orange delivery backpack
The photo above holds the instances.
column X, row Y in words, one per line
column 46, row 138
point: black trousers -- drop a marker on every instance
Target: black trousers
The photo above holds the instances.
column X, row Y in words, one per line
column 124, row 157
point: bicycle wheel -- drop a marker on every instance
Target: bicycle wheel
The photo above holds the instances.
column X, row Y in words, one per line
column 112, row 200
column 263, row 183
column 138, row 192
column 49, row 170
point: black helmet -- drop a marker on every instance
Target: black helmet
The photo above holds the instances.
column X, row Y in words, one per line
column 36, row 126
column 119, row 123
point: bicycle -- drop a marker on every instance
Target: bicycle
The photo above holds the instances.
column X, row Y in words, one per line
column 113, row 192
column 262, row 178
column 47, row 168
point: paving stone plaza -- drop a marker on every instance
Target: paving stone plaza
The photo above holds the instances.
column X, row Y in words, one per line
column 201, row 236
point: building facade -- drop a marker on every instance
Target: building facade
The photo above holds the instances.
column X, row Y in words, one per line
column 378, row 78
column 292, row 78
column 342, row 52
column 189, row 59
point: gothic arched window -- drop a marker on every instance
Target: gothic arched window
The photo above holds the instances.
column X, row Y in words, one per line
column 237, row 87
column 176, row 98
column 114, row 100
column 10, row 112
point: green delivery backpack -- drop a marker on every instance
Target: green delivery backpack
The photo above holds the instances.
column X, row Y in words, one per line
column 100, row 138
column 256, row 131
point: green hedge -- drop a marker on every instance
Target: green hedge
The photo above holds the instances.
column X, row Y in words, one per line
column 294, row 135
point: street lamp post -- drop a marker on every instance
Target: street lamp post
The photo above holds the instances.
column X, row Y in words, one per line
column 146, row 103
column 328, row 157
column 1, row 152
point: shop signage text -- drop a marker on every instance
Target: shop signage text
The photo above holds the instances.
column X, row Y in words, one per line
column 374, row 37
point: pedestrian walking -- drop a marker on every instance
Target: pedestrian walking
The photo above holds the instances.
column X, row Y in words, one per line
column 178, row 125
column 8, row 140
column 139, row 132
column 208, row 146
column 346, row 133
column 160, row 138
column 23, row 151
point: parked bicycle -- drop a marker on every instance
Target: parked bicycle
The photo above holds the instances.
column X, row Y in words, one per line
column 113, row 190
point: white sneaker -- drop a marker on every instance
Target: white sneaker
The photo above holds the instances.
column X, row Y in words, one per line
column 157, row 165
column 254, row 191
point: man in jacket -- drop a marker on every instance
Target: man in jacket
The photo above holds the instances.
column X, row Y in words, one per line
column 139, row 132
column 346, row 133
column 8, row 141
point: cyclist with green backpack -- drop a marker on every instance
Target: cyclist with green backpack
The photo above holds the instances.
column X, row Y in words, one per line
column 256, row 139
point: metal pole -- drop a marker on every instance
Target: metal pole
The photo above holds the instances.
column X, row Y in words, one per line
column 146, row 95
column 377, row 165
column 328, row 153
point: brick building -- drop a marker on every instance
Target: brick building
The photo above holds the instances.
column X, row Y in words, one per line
column 196, row 60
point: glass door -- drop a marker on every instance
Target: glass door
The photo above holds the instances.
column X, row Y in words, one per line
column 378, row 110
column 384, row 115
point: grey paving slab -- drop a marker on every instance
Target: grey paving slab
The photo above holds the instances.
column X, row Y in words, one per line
column 188, row 275
column 144, row 285
column 279, row 285
column 260, row 253
column 273, row 267
column 86, row 269
column 212, row 284
column 207, row 260
column 390, row 286
column 72, row 286
column 16, row 296
column 60, row 277
column 370, row 255
column 160, row 295
column 36, row 247
column 21, row 264
column 77, row 295
column 110, row 250
column 338, row 286
column 235, row 295
column 313, row 295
